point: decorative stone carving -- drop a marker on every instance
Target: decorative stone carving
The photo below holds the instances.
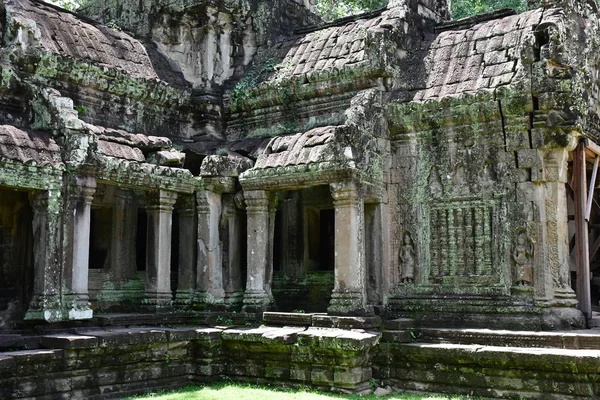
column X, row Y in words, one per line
column 523, row 258
column 461, row 242
column 407, row 259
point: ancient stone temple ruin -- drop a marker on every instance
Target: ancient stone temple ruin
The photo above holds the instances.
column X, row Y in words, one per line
column 189, row 157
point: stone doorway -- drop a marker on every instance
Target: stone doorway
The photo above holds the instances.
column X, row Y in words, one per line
column 303, row 250
column 16, row 255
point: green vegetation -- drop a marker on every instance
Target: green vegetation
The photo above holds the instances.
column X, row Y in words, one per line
column 331, row 9
column 466, row 8
column 250, row 392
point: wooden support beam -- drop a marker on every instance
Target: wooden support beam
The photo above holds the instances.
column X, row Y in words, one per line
column 595, row 248
column 582, row 251
column 591, row 146
column 570, row 192
column 590, row 199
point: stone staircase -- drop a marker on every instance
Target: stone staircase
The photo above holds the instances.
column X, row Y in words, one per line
column 490, row 363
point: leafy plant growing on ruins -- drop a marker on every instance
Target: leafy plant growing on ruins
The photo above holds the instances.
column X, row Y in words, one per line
column 330, row 9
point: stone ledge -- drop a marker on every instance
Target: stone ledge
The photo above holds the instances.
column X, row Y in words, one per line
column 328, row 321
column 65, row 341
column 285, row 318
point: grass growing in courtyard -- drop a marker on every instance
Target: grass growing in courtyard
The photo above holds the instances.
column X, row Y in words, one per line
column 236, row 391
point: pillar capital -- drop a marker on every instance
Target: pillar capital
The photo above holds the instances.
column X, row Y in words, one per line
column 344, row 193
column 161, row 200
column 186, row 205
column 83, row 188
column 44, row 201
column 257, row 201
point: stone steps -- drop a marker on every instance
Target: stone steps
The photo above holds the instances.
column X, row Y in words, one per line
column 490, row 371
column 576, row 340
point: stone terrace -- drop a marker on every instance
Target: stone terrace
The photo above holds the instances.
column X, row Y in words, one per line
column 115, row 361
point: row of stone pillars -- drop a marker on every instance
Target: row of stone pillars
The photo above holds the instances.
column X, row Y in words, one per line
column 213, row 276
column 349, row 296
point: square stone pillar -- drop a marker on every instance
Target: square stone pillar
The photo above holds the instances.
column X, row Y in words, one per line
column 349, row 293
column 46, row 301
column 123, row 266
column 231, row 231
column 78, row 237
column 188, row 229
column 159, row 206
column 270, row 254
column 209, row 279
column 257, row 296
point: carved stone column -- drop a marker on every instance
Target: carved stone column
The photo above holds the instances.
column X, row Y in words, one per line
column 186, row 280
column 123, row 260
column 46, row 303
column 80, row 202
column 257, row 295
column 158, row 251
column 349, row 293
column 231, row 231
column 209, row 279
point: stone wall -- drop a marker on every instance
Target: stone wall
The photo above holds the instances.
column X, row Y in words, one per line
column 114, row 362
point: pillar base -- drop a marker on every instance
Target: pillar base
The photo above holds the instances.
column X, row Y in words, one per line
column 158, row 302
column 257, row 301
column 349, row 303
column 45, row 308
column 184, row 298
column 79, row 307
column 208, row 301
column 562, row 318
column 234, row 300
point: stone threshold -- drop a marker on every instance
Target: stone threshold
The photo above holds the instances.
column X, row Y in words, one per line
column 321, row 320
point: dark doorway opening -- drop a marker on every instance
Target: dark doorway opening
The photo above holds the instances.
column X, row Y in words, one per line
column 175, row 252
column 140, row 240
column 16, row 254
column 100, row 237
column 327, row 240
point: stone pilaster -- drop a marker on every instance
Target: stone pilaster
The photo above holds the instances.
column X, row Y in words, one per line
column 46, row 302
column 80, row 202
column 231, row 227
column 209, row 279
column 349, row 293
column 186, row 279
column 553, row 280
column 159, row 206
column 257, row 295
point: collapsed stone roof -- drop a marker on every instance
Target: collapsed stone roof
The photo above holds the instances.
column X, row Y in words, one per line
column 483, row 57
column 29, row 147
column 332, row 49
column 71, row 35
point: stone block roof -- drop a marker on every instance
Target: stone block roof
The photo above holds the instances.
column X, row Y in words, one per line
column 299, row 149
column 28, row 147
column 120, row 151
column 484, row 56
column 70, row 35
column 331, row 48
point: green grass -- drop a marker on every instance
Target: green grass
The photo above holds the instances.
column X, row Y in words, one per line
column 235, row 391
